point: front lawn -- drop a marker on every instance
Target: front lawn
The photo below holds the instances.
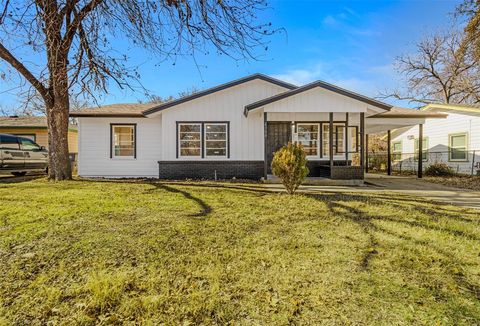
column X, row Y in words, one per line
column 86, row 252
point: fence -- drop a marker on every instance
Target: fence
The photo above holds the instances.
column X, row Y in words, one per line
column 462, row 162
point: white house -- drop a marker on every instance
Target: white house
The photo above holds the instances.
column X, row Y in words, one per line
column 454, row 140
column 233, row 129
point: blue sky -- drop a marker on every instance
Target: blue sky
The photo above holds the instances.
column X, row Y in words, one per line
column 348, row 43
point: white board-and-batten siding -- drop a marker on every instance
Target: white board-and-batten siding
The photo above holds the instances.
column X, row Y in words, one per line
column 438, row 131
column 157, row 133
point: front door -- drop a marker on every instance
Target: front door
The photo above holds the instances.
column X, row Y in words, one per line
column 278, row 135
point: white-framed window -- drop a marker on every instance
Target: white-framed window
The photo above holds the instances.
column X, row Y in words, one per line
column 308, row 137
column 458, row 147
column 397, row 149
column 216, row 139
column 424, row 149
column 123, row 141
column 190, row 139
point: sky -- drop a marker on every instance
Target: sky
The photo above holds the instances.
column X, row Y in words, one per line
column 351, row 44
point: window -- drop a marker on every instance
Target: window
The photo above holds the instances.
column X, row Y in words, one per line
column 397, row 150
column 123, row 141
column 458, row 147
column 190, row 139
column 424, row 149
column 308, row 137
column 340, row 139
column 9, row 142
column 29, row 145
column 216, row 139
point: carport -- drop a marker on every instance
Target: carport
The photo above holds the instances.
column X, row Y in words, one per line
column 398, row 118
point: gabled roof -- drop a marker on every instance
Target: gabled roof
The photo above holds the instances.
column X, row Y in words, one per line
column 396, row 112
column 456, row 107
column 315, row 84
column 26, row 122
column 115, row 110
column 220, row 88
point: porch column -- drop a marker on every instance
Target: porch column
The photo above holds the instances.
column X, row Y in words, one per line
column 420, row 150
column 265, row 139
column 330, row 140
column 362, row 141
column 366, row 153
column 346, row 138
column 389, row 152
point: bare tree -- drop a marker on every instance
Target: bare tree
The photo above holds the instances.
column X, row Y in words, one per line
column 64, row 47
column 153, row 98
column 471, row 10
column 439, row 71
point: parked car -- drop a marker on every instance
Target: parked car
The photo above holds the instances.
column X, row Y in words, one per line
column 19, row 155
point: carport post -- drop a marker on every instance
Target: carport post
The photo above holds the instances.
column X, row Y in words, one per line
column 420, row 150
column 346, row 139
column 362, row 140
column 389, row 152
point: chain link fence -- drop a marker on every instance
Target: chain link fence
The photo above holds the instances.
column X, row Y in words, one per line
column 462, row 162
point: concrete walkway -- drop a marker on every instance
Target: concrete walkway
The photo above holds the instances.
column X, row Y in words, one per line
column 411, row 186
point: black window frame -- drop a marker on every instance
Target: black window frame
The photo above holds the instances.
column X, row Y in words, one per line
column 134, row 125
column 202, row 141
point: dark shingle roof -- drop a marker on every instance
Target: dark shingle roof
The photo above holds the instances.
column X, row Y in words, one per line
column 117, row 110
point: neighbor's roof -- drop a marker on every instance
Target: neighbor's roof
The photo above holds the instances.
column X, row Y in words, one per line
column 456, row 107
column 396, row 112
column 26, row 122
column 320, row 84
column 115, row 110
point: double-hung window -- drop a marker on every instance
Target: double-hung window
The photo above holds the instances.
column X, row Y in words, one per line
column 203, row 140
column 458, row 147
column 308, row 137
column 397, row 150
column 123, row 141
column 424, row 149
column 190, row 139
column 216, row 139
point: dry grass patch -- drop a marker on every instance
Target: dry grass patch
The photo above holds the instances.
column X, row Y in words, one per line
column 88, row 252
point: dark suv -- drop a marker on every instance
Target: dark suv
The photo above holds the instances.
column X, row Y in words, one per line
column 19, row 155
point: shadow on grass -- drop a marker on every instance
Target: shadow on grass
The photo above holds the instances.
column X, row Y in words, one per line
column 205, row 208
column 6, row 179
column 365, row 221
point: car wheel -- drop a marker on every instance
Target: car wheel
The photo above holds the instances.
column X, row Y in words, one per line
column 19, row 174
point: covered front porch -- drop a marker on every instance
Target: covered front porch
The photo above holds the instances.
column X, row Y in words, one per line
column 332, row 124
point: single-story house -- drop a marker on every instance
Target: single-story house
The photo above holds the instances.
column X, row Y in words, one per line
column 454, row 140
column 35, row 128
column 232, row 130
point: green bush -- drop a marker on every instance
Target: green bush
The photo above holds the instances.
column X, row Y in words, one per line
column 290, row 165
column 439, row 170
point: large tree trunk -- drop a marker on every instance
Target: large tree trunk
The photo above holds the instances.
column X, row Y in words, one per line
column 57, row 119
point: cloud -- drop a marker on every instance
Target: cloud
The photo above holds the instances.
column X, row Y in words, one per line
column 301, row 76
column 329, row 20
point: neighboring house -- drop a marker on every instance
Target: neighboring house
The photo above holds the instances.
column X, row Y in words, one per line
column 232, row 130
column 35, row 128
column 454, row 140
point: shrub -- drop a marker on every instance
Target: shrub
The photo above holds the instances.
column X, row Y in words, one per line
column 290, row 165
column 439, row 170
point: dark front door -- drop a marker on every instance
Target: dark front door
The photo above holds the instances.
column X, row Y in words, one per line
column 278, row 135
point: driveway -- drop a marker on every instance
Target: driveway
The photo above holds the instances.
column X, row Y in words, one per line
column 402, row 185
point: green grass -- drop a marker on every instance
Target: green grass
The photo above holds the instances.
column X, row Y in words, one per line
column 86, row 252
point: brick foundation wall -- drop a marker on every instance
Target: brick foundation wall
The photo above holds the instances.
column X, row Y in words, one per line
column 347, row 173
column 179, row 170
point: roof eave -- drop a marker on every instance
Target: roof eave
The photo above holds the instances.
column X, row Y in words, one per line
column 106, row 115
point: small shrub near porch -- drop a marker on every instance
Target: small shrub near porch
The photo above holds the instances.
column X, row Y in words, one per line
column 439, row 170
column 290, row 165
